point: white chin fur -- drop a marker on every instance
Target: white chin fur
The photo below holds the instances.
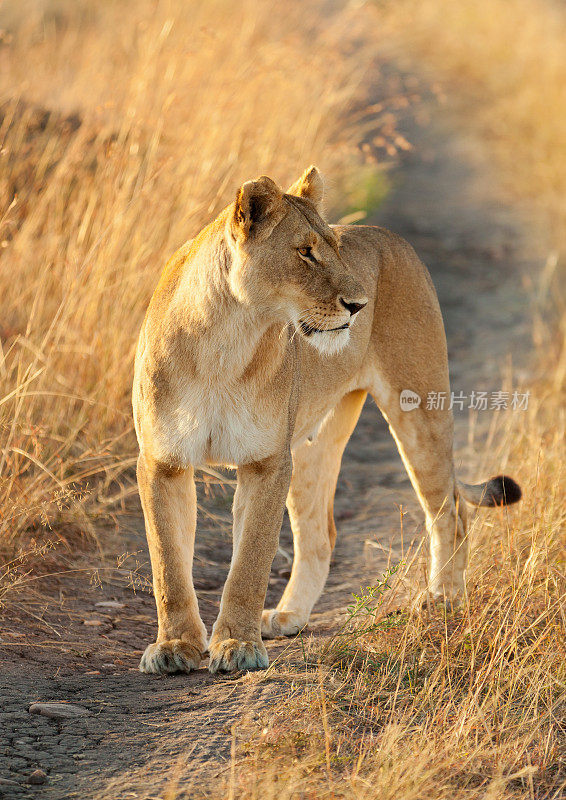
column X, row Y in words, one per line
column 330, row 342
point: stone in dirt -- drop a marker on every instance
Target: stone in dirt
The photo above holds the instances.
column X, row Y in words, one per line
column 109, row 604
column 58, row 710
column 37, row 777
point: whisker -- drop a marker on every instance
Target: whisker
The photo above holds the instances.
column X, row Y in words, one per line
column 285, row 328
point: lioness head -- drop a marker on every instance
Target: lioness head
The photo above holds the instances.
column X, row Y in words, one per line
column 286, row 260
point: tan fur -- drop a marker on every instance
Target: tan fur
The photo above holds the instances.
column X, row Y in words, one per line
column 230, row 371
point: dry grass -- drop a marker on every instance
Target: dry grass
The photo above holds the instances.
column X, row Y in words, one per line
column 505, row 60
column 125, row 127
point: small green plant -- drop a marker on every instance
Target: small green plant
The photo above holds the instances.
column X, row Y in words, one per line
column 363, row 620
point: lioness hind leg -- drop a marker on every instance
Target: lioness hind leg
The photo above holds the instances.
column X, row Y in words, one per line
column 425, row 439
column 169, row 505
column 310, row 504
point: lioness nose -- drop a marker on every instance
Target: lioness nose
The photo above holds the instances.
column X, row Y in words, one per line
column 353, row 307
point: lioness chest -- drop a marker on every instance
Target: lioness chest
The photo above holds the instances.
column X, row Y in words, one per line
column 212, row 424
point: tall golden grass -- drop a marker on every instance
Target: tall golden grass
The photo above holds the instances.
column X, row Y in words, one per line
column 505, row 60
column 125, row 127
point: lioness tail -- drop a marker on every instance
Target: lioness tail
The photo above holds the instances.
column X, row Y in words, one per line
column 499, row 491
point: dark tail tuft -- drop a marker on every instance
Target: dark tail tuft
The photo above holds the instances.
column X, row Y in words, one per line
column 502, row 491
column 499, row 491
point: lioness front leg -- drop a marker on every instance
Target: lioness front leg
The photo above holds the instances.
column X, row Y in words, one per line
column 258, row 513
column 169, row 505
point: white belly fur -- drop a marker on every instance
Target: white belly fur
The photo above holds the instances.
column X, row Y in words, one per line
column 215, row 427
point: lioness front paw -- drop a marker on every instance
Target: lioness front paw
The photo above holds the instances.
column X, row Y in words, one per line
column 229, row 655
column 174, row 655
column 281, row 623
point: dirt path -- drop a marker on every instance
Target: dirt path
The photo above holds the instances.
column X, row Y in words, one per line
column 76, row 651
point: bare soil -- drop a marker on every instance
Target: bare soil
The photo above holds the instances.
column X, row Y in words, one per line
column 64, row 647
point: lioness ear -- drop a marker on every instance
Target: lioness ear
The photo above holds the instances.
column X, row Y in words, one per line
column 310, row 186
column 256, row 206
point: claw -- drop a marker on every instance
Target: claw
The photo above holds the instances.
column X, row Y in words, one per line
column 230, row 655
column 170, row 656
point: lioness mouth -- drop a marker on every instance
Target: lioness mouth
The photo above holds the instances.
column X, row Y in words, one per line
column 308, row 329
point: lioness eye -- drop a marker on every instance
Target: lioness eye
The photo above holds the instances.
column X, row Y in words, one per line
column 306, row 251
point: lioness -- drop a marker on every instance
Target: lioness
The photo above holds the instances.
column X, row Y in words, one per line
column 260, row 344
